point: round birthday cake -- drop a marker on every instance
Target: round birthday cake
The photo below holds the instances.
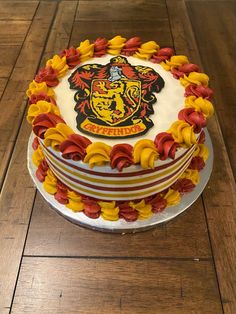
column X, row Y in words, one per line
column 118, row 127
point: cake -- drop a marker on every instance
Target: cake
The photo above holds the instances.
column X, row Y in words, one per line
column 118, row 127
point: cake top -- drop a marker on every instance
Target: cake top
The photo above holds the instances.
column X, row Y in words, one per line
column 119, row 97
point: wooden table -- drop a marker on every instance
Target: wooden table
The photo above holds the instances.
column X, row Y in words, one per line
column 48, row 265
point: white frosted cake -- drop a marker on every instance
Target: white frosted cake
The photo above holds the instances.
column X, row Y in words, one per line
column 118, row 127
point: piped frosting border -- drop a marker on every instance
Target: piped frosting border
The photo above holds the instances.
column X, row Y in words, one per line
column 47, row 123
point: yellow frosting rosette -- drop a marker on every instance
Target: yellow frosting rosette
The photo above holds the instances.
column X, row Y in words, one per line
column 194, row 78
column 86, row 50
column 183, row 133
column 37, row 156
column 109, row 211
column 37, row 88
column 200, row 104
column 192, row 175
column 147, row 50
column 58, row 64
column 174, row 62
column 55, row 136
column 41, row 106
column 172, row 197
column 50, row 182
column 146, row 153
column 144, row 210
column 98, row 154
column 74, row 201
column 115, row 45
column 201, row 151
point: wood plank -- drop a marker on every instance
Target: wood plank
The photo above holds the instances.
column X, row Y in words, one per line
column 3, row 82
column 12, row 105
column 219, row 50
column 12, row 33
column 8, row 58
column 119, row 17
column 18, row 192
column 51, row 235
column 51, row 285
column 219, row 196
column 120, row 10
column 17, row 10
column 127, row 29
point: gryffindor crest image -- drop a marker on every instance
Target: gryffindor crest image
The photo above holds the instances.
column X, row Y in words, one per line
column 115, row 100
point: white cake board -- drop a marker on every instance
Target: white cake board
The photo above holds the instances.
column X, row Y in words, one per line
column 122, row 226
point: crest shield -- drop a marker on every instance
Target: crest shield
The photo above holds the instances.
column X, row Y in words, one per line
column 115, row 100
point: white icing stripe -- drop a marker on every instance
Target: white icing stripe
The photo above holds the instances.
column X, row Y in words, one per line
column 114, row 182
column 128, row 195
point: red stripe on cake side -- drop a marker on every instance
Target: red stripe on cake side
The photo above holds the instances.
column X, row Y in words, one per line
column 118, row 189
column 127, row 174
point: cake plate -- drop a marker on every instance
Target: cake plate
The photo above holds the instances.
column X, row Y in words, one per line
column 122, row 226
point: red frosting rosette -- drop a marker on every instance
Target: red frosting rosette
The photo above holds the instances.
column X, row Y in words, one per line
column 202, row 138
column 91, row 208
column 61, row 194
column 166, row 146
column 195, row 118
column 100, row 46
column 45, row 121
column 41, row 172
column 127, row 212
column 197, row 163
column 47, row 75
column 121, row 156
column 198, row 91
column 162, row 55
column 158, row 203
column 72, row 56
column 183, row 185
column 35, row 143
column 131, row 46
column 184, row 69
column 74, row 147
column 41, row 96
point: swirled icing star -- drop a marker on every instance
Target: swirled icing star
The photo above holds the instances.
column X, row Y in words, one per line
column 72, row 56
column 200, row 104
column 55, row 136
column 50, row 182
column 37, row 156
column 192, row 175
column 115, row 45
column 174, row 62
column 109, row 210
column 201, row 151
column 39, row 88
column 74, row 201
column 172, row 197
column 147, row 50
column 146, row 153
column 183, row 133
column 144, row 210
column 58, row 64
column 41, row 107
column 195, row 78
column 86, row 50
column 97, row 154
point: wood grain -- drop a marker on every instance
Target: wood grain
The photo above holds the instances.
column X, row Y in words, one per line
column 12, row 104
column 51, row 235
column 18, row 10
column 102, row 286
column 12, row 33
column 8, row 58
column 120, row 10
column 219, row 196
column 17, row 195
column 219, row 50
